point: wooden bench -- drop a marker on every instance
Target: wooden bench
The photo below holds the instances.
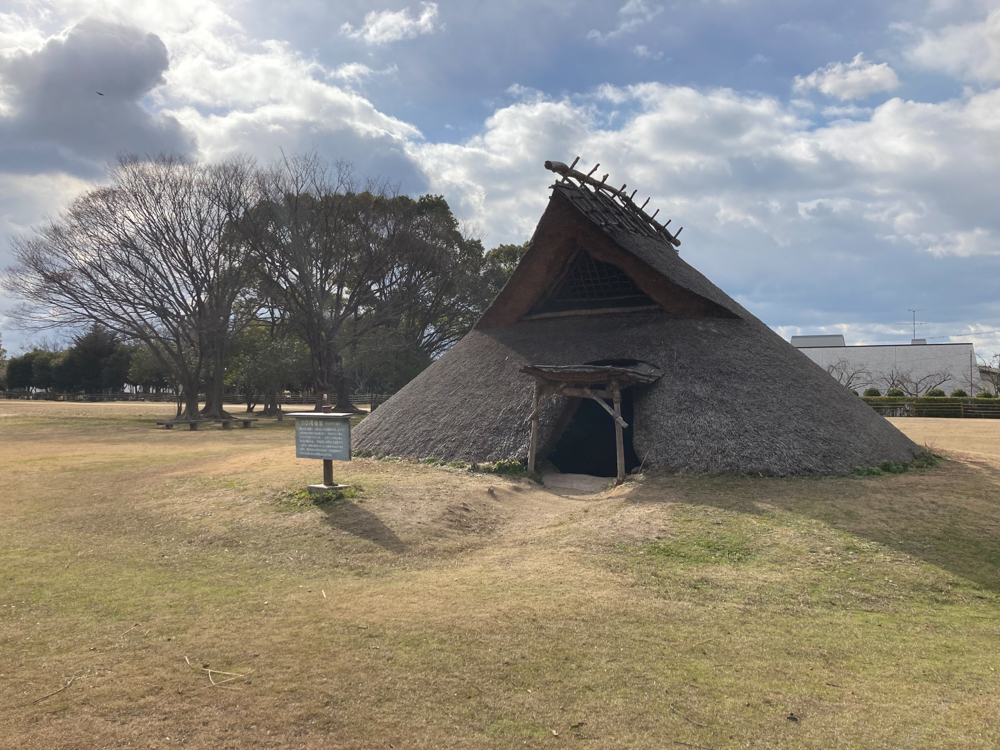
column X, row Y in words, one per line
column 228, row 423
column 194, row 423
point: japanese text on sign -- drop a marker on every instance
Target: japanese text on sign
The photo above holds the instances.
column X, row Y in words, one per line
column 323, row 438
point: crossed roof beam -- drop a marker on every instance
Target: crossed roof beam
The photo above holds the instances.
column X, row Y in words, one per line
column 568, row 172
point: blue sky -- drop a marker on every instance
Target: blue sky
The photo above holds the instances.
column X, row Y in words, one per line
column 832, row 163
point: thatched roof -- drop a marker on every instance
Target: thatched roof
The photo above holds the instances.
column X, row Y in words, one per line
column 733, row 397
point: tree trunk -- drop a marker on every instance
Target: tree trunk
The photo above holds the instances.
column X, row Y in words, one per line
column 215, row 388
column 343, row 388
column 208, row 398
column 270, row 402
column 190, row 395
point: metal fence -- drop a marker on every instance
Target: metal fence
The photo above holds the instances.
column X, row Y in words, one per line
column 230, row 398
column 932, row 407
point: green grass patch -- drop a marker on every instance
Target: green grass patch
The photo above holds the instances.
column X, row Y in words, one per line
column 926, row 460
column 298, row 500
column 722, row 547
column 504, row 467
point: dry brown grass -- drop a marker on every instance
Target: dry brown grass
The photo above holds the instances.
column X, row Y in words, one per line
column 471, row 611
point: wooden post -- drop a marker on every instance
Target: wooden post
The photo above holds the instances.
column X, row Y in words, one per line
column 616, row 394
column 533, row 446
column 327, row 464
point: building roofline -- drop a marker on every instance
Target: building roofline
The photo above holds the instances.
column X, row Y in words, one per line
column 887, row 346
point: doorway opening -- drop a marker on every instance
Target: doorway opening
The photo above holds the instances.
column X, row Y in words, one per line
column 587, row 446
column 591, row 437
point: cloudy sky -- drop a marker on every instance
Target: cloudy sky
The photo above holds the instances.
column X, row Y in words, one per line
column 833, row 162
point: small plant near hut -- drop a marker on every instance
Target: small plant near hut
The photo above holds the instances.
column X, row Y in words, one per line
column 925, row 460
column 297, row 500
column 362, row 454
column 503, row 467
column 958, row 393
column 935, row 393
column 872, row 393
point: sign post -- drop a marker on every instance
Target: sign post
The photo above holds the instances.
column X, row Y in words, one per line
column 325, row 436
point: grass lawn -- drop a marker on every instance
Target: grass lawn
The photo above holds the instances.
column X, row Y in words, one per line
column 441, row 609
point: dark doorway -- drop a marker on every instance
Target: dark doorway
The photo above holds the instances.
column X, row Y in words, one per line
column 587, row 446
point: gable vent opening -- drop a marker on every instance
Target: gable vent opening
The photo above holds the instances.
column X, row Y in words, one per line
column 591, row 284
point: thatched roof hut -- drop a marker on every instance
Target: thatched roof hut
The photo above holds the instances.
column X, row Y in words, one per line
column 600, row 294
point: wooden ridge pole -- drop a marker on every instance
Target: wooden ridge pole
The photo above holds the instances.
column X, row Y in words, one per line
column 585, row 179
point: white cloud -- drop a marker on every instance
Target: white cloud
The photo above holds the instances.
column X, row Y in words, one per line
column 232, row 92
column 384, row 27
column 857, row 79
column 632, row 16
column 962, row 244
column 244, row 96
column 641, row 50
column 75, row 101
column 968, row 51
column 355, row 72
column 850, row 111
column 911, row 178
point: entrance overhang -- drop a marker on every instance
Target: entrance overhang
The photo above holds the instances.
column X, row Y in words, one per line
column 582, row 381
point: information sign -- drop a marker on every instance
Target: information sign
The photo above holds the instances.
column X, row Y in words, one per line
column 325, row 436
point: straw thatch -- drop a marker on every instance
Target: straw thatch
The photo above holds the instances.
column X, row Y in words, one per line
column 734, row 396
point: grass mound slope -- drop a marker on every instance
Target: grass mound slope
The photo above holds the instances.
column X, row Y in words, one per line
column 177, row 589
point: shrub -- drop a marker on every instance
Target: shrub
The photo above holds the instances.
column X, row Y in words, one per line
column 985, row 394
column 894, row 392
column 959, row 393
column 871, row 392
column 935, row 393
column 507, row 468
column 926, row 459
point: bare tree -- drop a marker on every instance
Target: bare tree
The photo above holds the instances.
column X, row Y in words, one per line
column 435, row 290
column 323, row 247
column 912, row 385
column 989, row 372
column 152, row 256
column 850, row 375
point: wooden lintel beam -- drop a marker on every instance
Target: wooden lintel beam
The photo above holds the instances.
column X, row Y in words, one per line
column 582, row 392
column 614, row 415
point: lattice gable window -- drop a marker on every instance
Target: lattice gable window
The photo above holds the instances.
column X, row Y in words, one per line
column 591, row 284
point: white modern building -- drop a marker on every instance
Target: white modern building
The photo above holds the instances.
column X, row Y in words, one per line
column 914, row 369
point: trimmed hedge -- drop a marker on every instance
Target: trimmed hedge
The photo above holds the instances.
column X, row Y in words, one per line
column 935, row 406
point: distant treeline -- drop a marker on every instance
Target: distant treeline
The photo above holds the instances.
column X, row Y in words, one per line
column 205, row 277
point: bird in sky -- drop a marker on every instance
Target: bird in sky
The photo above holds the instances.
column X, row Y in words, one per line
column 99, row 93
